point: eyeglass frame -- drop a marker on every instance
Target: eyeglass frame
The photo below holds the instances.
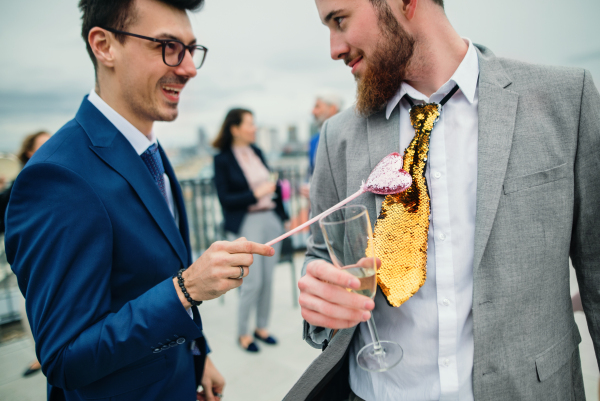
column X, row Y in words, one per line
column 164, row 43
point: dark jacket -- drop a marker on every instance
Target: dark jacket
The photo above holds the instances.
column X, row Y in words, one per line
column 234, row 192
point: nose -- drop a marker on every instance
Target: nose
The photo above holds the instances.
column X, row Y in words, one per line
column 187, row 67
column 337, row 46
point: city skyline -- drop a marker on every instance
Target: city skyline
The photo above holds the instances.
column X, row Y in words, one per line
column 267, row 55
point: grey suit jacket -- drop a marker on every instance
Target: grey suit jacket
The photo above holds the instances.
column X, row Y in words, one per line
column 538, row 202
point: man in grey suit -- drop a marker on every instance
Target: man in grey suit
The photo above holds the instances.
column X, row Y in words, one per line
column 513, row 174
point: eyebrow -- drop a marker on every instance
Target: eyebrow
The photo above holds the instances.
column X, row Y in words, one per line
column 331, row 15
column 173, row 37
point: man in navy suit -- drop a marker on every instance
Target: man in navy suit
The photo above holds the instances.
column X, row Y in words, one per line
column 97, row 231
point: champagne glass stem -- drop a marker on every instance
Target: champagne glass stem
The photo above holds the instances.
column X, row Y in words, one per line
column 377, row 349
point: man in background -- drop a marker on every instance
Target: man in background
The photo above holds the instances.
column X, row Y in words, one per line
column 327, row 105
column 96, row 228
column 512, row 186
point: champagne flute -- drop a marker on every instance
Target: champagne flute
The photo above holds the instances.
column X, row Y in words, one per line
column 349, row 239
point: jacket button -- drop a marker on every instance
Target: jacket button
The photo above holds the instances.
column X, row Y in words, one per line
column 180, row 340
column 173, row 344
column 156, row 350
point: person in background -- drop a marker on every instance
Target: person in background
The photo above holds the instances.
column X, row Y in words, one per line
column 326, row 106
column 30, row 145
column 252, row 208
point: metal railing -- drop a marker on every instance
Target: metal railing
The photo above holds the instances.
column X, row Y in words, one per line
column 206, row 226
column 205, row 216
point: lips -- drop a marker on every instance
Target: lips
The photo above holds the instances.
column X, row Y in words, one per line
column 354, row 64
column 172, row 92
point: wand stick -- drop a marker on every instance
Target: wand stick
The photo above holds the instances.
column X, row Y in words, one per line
column 309, row 222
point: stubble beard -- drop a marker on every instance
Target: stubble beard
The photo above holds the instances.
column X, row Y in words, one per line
column 156, row 107
column 386, row 67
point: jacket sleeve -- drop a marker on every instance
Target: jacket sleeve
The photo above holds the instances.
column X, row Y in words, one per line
column 323, row 195
column 585, row 243
column 230, row 196
column 59, row 242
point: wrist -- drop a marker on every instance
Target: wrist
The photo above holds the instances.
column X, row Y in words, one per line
column 182, row 299
column 181, row 283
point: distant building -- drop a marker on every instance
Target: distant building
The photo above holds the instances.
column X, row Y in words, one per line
column 293, row 147
column 267, row 139
column 203, row 146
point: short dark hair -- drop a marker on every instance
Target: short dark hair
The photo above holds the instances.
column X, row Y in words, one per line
column 117, row 14
column 233, row 118
column 378, row 2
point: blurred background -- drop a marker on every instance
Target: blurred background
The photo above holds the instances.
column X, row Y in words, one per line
column 272, row 57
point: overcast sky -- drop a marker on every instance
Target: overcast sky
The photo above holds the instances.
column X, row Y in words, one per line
column 271, row 56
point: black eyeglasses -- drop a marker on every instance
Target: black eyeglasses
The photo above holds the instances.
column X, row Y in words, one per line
column 173, row 51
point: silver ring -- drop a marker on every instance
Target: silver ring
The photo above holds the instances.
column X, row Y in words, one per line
column 241, row 273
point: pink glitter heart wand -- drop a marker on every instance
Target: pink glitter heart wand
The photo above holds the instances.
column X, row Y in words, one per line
column 387, row 177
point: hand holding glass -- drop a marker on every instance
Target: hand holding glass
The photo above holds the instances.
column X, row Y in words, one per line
column 347, row 233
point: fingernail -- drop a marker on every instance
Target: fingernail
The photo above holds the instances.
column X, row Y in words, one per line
column 272, row 251
column 354, row 283
column 369, row 305
column 366, row 316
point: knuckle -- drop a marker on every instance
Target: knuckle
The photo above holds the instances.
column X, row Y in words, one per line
column 317, row 269
column 302, row 300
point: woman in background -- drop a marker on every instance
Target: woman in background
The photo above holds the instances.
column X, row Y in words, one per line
column 252, row 208
column 30, row 145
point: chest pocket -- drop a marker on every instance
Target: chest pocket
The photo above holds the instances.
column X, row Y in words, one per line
column 536, row 179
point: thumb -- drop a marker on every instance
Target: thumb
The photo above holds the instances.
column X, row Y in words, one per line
column 208, row 393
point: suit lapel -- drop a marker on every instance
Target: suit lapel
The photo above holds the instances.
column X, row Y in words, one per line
column 497, row 115
column 114, row 149
column 383, row 139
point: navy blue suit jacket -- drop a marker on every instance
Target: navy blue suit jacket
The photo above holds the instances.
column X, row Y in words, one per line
column 234, row 192
column 94, row 247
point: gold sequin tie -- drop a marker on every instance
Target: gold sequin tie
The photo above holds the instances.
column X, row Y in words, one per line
column 402, row 227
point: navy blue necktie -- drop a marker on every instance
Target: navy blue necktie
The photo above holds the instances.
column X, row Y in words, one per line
column 155, row 165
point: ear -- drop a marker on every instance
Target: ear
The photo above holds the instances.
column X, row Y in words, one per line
column 409, row 8
column 235, row 130
column 102, row 44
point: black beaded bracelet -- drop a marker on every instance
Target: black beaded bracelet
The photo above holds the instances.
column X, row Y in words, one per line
column 182, row 286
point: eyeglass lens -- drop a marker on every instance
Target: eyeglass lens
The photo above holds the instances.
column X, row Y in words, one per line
column 175, row 52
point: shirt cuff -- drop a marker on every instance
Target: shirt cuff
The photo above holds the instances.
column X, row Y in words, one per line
column 316, row 336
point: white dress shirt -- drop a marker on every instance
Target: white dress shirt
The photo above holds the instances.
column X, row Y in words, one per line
column 139, row 141
column 435, row 326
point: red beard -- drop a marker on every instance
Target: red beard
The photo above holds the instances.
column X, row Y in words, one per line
column 386, row 67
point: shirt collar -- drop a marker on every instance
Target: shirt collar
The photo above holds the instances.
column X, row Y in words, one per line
column 139, row 141
column 465, row 76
